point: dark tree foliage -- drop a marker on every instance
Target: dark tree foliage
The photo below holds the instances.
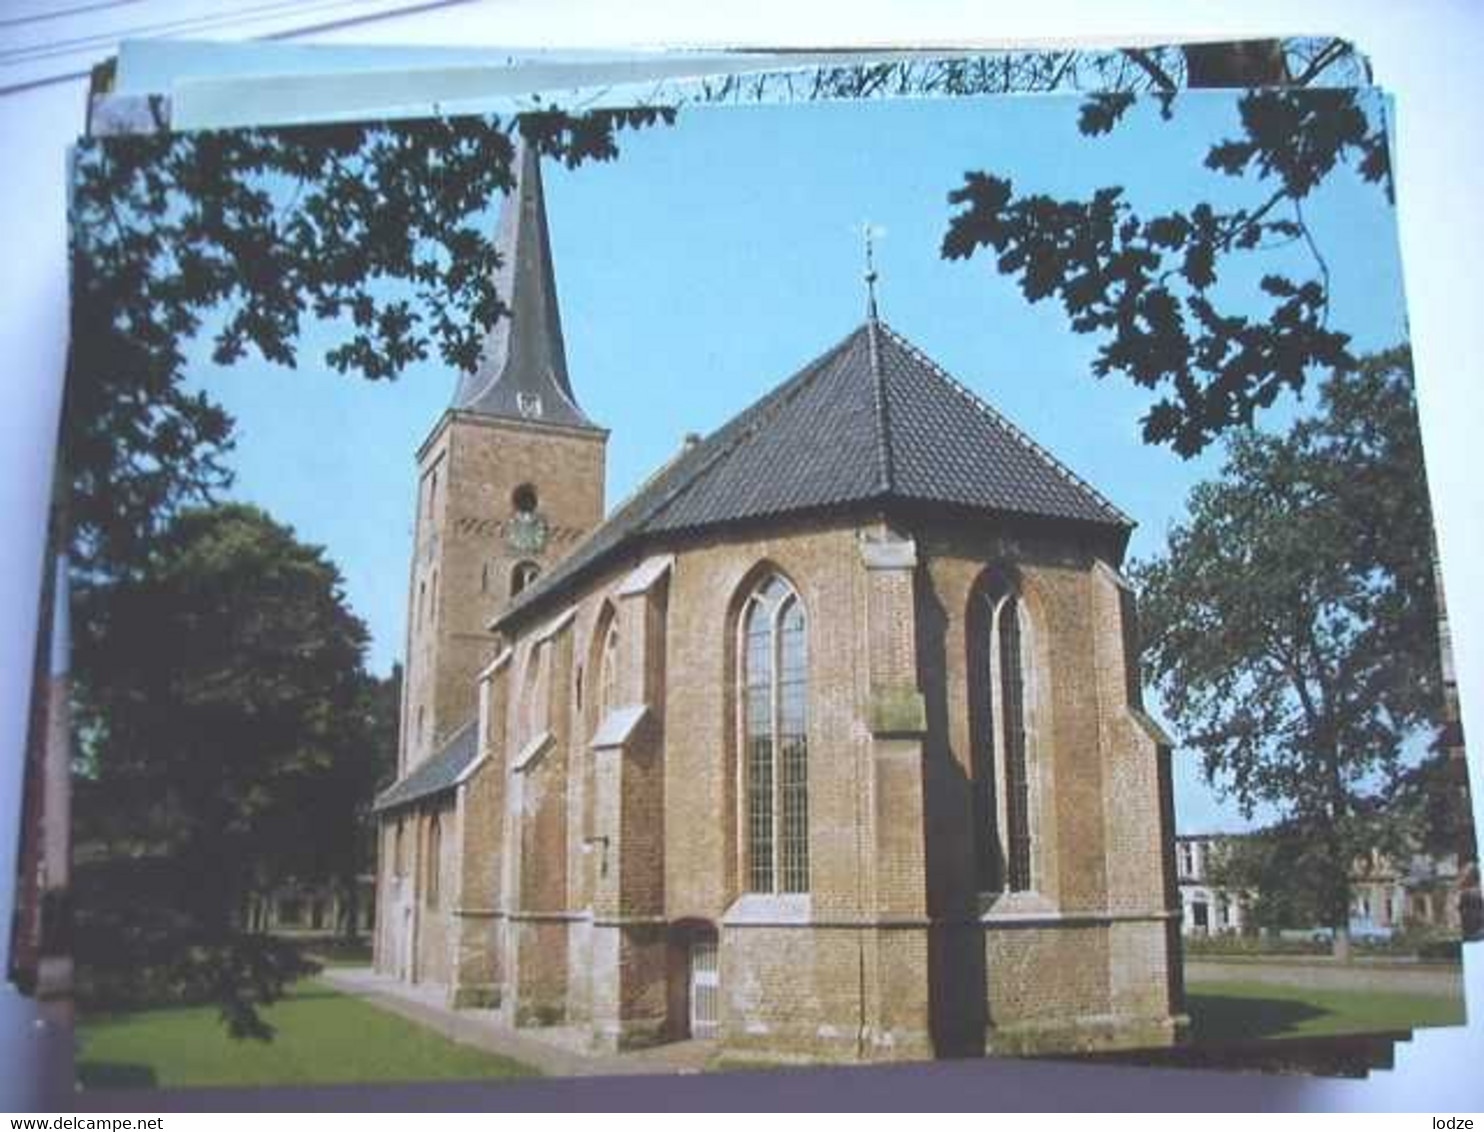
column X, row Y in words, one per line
column 1290, row 624
column 225, row 725
column 1147, row 285
column 224, row 711
column 246, row 235
column 1272, row 869
column 1275, row 868
column 219, row 682
column 341, row 829
column 1435, row 796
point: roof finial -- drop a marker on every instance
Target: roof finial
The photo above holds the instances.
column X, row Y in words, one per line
column 870, row 231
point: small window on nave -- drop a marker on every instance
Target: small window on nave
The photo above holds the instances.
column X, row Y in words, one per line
column 522, row 575
column 524, row 499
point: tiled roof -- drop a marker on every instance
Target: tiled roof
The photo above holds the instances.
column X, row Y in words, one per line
column 871, row 419
column 439, row 772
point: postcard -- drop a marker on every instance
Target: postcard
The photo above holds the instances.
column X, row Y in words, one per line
column 678, row 588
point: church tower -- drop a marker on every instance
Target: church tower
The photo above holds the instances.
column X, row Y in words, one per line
column 509, row 479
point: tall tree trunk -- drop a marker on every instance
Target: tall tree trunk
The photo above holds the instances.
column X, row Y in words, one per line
column 350, row 906
column 1341, row 948
column 1338, row 850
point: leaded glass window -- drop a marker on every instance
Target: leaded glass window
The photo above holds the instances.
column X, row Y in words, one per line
column 774, row 693
column 1016, row 773
column 1003, row 760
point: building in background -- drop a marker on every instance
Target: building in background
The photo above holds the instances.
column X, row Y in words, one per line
column 1206, row 907
column 1418, row 892
column 1390, row 894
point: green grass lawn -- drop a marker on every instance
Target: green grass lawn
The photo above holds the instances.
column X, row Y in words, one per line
column 1236, row 1010
column 323, row 1037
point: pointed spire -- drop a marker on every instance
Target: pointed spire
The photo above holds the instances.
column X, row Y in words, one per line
column 522, row 372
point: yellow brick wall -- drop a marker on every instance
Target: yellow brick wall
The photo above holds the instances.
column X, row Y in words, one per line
column 891, row 950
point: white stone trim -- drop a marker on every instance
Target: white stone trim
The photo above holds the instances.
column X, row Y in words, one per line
column 553, row 627
column 769, row 908
column 648, row 572
column 489, row 670
column 889, row 554
column 1112, row 573
column 618, row 726
column 1015, row 905
column 468, row 771
column 532, row 752
column 1072, row 919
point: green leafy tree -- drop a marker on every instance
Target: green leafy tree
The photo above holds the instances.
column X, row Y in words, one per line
column 336, row 803
column 223, row 714
column 1147, row 285
column 1271, row 870
column 1290, row 622
column 247, row 236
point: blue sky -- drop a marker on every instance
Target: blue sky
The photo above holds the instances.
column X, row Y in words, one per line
column 717, row 256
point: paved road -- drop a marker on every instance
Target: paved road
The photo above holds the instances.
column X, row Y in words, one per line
column 1440, row 979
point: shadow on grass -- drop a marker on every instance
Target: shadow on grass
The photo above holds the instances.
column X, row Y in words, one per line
column 115, row 1075
column 1227, row 1018
column 305, row 990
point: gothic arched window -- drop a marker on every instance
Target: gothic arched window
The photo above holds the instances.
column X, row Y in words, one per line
column 603, row 661
column 773, row 694
column 608, row 671
column 1003, row 759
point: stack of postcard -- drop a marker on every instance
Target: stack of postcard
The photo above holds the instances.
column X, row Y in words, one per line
column 656, row 563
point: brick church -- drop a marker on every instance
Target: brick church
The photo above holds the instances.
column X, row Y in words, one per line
column 825, row 744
